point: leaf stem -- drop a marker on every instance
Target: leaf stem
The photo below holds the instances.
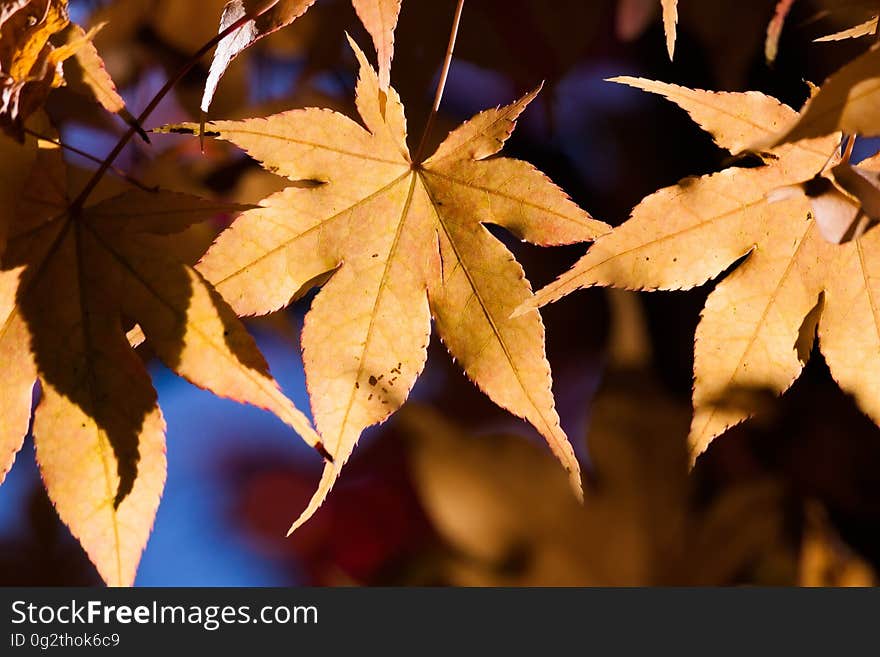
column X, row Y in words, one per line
column 92, row 158
column 441, row 85
column 848, row 149
column 107, row 163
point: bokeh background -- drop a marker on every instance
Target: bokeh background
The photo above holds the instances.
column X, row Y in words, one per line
column 452, row 490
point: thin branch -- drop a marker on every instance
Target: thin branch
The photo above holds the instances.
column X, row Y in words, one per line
column 441, row 85
column 848, row 150
column 92, row 158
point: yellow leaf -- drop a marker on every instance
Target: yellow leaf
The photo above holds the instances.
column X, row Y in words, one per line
column 104, row 475
column 70, row 280
column 755, row 333
column 747, row 337
column 401, row 242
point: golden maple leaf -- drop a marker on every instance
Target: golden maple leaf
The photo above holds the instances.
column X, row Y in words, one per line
column 401, row 241
column 71, row 280
column 760, row 322
column 379, row 17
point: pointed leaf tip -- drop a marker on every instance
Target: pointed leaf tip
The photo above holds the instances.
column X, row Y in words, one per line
column 670, row 25
column 328, row 479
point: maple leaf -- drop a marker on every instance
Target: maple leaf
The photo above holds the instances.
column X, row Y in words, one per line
column 379, row 17
column 759, row 323
column 71, row 280
column 401, row 241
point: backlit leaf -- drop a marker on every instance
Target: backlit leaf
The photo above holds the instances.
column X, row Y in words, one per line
column 402, row 242
column 755, row 319
column 70, row 280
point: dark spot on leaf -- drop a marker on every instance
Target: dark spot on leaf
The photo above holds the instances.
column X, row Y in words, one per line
column 323, row 452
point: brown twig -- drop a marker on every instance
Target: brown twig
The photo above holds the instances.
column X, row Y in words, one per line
column 848, row 149
column 441, row 85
